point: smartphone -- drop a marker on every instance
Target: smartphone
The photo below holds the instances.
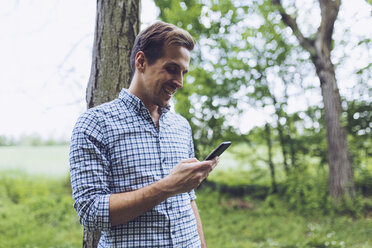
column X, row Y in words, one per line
column 219, row 150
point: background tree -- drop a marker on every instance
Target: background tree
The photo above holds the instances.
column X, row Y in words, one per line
column 341, row 178
column 247, row 57
column 117, row 24
column 240, row 61
column 270, row 158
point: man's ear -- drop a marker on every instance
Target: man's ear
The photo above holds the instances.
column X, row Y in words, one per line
column 140, row 61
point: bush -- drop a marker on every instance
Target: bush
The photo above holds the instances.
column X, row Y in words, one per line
column 308, row 194
column 36, row 212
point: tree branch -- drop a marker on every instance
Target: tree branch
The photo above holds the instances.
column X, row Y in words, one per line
column 329, row 11
column 306, row 43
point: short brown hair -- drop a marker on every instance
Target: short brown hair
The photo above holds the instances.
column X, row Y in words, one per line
column 152, row 41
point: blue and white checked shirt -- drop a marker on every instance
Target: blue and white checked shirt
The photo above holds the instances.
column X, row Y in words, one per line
column 115, row 148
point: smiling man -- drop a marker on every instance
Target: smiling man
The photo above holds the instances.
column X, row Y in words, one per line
column 132, row 164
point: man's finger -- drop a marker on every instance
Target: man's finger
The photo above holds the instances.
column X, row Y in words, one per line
column 189, row 160
column 204, row 165
column 215, row 162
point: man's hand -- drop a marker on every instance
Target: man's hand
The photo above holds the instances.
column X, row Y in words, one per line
column 188, row 174
column 185, row 176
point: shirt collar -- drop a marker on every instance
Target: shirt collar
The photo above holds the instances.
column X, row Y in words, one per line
column 135, row 103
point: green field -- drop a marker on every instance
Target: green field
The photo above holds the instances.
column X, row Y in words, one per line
column 37, row 212
column 36, row 209
column 36, row 160
column 53, row 160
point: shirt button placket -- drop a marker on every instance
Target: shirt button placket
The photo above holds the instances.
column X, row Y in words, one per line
column 173, row 235
column 162, row 151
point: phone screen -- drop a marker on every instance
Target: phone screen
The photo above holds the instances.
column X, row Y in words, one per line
column 219, row 150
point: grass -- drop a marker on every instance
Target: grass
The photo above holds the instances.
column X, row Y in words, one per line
column 37, row 212
column 234, row 222
column 36, row 208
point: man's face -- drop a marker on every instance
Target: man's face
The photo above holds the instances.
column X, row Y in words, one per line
column 163, row 78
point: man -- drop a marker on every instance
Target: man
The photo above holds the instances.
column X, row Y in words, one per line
column 131, row 160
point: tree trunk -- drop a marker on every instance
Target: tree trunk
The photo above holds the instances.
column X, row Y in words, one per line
column 341, row 178
column 274, row 187
column 280, row 132
column 292, row 149
column 91, row 239
column 117, row 24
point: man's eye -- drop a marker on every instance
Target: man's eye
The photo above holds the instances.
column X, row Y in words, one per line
column 172, row 69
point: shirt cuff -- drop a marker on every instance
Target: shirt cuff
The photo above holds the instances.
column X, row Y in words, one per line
column 103, row 213
column 97, row 216
column 192, row 195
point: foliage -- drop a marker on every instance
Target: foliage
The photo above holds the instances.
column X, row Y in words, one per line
column 247, row 222
column 31, row 140
column 237, row 64
column 308, row 193
column 359, row 126
column 6, row 141
column 246, row 58
column 37, row 212
column 305, row 187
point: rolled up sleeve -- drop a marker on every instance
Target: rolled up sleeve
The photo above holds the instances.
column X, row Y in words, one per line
column 89, row 171
column 191, row 155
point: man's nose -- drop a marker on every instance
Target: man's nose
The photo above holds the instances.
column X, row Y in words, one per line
column 179, row 80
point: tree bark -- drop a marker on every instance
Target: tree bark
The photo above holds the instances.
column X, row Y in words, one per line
column 91, row 239
column 341, row 178
column 117, row 25
column 280, row 132
column 274, row 187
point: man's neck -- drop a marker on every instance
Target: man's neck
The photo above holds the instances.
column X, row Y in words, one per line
column 153, row 109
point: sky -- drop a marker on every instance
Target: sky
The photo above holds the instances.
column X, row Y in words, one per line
column 45, row 63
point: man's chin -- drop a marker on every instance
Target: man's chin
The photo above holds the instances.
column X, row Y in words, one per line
column 163, row 104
